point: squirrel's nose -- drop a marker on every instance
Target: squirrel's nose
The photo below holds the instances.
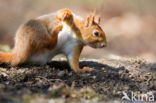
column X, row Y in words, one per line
column 103, row 45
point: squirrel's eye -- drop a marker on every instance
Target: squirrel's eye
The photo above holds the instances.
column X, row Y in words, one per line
column 96, row 33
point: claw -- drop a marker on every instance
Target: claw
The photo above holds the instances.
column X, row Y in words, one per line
column 85, row 69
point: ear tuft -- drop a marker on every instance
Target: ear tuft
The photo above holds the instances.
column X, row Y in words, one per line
column 90, row 19
column 87, row 21
column 97, row 19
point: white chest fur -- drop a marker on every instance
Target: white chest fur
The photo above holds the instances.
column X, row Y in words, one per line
column 66, row 39
column 66, row 43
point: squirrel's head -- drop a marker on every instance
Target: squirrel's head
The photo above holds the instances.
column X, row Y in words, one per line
column 92, row 33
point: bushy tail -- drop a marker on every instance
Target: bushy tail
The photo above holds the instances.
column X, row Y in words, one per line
column 6, row 57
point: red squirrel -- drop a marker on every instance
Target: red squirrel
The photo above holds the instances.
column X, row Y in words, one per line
column 40, row 39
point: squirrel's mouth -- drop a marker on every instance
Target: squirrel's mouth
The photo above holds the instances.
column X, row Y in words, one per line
column 97, row 45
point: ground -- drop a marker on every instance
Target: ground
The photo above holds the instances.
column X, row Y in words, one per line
column 55, row 82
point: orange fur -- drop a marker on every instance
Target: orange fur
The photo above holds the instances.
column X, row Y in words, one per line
column 32, row 38
column 83, row 30
column 74, row 61
column 6, row 57
column 84, row 33
column 86, row 29
column 37, row 36
column 53, row 39
column 65, row 15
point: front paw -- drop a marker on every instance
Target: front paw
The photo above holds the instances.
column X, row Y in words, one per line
column 87, row 69
column 84, row 69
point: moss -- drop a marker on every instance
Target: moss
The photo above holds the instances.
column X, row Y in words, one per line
column 5, row 48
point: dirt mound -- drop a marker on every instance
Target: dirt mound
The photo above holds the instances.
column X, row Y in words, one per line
column 107, row 82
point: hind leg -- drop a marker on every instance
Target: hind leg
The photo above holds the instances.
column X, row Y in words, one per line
column 20, row 57
column 22, row 51
column 53, row 37
column 16, row 61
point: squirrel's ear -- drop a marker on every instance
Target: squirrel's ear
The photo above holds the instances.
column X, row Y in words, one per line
column 97, row 19
column 89, row 20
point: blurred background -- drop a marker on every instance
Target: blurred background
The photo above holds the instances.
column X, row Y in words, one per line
column 130, row 25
